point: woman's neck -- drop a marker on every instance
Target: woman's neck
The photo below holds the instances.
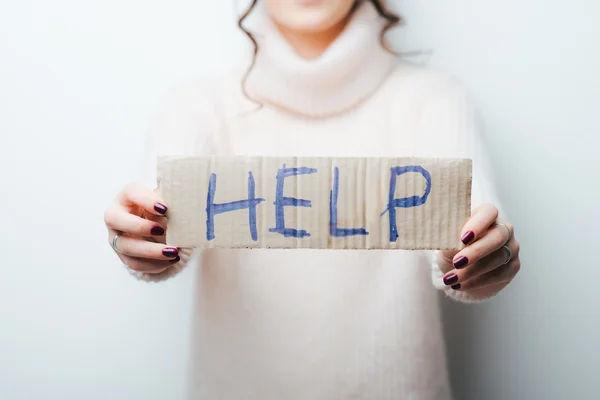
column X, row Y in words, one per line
column 311, row 45
column 318, row 75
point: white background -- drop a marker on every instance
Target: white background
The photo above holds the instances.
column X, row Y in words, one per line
column 78, row 80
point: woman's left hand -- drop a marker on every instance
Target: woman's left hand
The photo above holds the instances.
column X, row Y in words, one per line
column 490, row 259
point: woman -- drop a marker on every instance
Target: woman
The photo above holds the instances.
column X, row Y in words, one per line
column 298, row 324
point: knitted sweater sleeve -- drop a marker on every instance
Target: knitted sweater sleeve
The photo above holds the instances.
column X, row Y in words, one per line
column 184, row 123
column 450, row 129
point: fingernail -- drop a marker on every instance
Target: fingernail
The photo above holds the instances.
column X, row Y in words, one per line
column 157, row 231
column 460, row 262
column 160, row 208
column 450, row 279
column 467, row 237
column 456, row 287
column 170, row 252
column 177, row 259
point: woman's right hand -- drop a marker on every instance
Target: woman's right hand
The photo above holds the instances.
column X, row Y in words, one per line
column 138, row 218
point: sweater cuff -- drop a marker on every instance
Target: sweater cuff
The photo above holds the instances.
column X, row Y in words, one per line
column 184, row 254
column 437, row 276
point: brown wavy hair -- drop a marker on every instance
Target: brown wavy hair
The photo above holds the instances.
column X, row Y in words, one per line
column 391, row 18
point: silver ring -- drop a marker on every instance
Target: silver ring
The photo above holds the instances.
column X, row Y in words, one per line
column 507, row 230
column 508, row 254
column 114, row 244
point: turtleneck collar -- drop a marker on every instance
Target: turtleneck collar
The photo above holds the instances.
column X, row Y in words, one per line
column 349, row 71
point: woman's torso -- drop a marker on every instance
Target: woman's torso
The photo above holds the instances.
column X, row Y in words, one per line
column 305, row 324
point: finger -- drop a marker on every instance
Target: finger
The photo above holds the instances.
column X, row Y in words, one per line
column 489, row 263
column 119, row 219
column 140, row 196
column 494, row 238
column 147, row 266
column 501, row 275
column 134, row 247
column 476, row 227
column 160, row 219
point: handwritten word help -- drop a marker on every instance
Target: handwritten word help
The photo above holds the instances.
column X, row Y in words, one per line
column 281, row 202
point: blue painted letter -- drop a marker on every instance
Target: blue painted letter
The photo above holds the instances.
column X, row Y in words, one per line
column 281, row 202
column 333, row 200
column 213, row 209
column 404, row 202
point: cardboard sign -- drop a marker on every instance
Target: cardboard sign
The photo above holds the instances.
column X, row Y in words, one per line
column 315, row 202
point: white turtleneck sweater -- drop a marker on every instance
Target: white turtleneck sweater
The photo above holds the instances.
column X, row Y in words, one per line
column 319, row 324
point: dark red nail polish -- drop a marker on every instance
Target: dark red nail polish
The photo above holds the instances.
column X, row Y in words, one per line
column 467, row 237
column 170, row 252
column 460, row 262
column 157, row 231
column 450, row 279
column 176, row 260
column 160, row 208
column 456, row 287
